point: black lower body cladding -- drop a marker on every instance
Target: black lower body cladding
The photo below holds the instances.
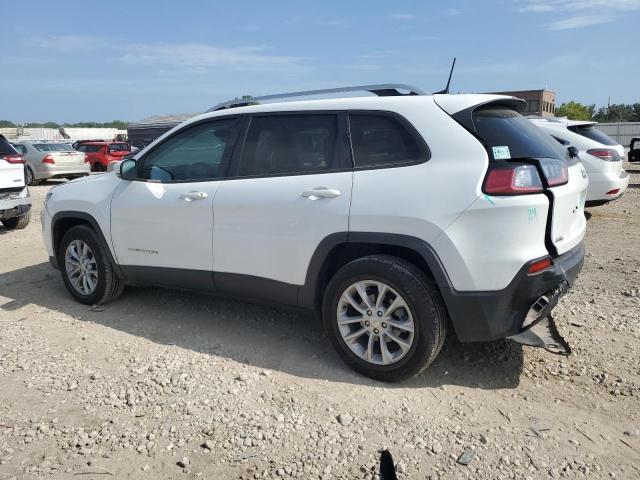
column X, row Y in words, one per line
column 483, row 316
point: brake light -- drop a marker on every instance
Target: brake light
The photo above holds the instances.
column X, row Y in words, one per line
column 613, row 192
column 86, row 158
column 608, row 154
column 14, row 158
column 555, row 171
column 48, row 159
column 512, row 179
column 539, row 265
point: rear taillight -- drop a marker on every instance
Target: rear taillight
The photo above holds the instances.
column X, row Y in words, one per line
column 13, row 158
column 48, row 159
column 608, row 154
column 539, row 265
column 613, row 192
column 86, row 158
column 555, row 171
column 512, row 179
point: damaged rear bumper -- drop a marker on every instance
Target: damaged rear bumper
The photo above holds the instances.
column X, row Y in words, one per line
column 482, row 316
column 539, row 328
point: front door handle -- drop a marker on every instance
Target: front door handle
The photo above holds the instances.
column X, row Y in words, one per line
column 320, row 192
column 191, row 196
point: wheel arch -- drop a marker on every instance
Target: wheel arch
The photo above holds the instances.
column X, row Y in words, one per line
column 340, row 248
column 63, row 221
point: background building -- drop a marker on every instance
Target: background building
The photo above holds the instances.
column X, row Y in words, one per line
column 539, row 102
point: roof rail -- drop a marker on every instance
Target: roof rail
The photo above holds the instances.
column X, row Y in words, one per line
column 382, row 90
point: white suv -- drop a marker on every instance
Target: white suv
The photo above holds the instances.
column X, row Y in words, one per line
column 15, row 201
column 396, row 217
column 600, row 154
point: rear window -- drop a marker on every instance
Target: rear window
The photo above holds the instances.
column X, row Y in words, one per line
column 6, row 148
column 593, row 133
column 53, row 147
column 383, row 140
column 507, row 134
column 20, row 148
column 89, row 148
column 119, row 147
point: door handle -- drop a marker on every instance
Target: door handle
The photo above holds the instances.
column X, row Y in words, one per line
column 191, row 196
column 320, row 192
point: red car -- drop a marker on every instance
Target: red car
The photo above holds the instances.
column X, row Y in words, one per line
column 99, row 154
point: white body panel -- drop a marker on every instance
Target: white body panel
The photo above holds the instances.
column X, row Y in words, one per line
column 11, row 174
column 569, row 224
column 492, row 239
column 151, row 225
column 265, row 228
column 90, row 195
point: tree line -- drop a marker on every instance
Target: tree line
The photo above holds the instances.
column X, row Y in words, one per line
column 119, row 124
column 613, row 113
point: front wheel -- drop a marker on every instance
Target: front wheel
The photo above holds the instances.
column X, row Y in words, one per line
column 86, row 268
column 385, row 318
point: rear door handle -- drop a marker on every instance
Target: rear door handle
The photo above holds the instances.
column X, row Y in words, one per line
column 191, row 196
column 320, row 192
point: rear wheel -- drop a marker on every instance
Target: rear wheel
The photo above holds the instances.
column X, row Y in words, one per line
column 385, row 318
column 98, row 167
column 17, row 223
column 86, row 268
column 29, row 177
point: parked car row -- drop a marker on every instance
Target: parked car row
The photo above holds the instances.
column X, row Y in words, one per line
column 601, row 156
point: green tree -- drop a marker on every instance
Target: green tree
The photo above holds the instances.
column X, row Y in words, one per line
column 7, row 124
column 575, row 111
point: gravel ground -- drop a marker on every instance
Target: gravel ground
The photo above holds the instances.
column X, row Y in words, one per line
column 164, row 384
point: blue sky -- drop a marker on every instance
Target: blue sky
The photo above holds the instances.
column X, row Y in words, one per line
column 84, row 60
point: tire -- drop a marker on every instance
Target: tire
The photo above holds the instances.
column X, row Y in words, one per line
column 30, row 178
column 17, row 223
column 98, row 167
column 426, row 312
column 108, row 286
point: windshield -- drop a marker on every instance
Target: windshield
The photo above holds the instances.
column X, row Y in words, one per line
column 593, row 133
column 507, row 134
column 53, row 147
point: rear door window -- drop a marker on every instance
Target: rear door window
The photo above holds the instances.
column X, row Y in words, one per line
column 593, row 133
column 289, row 144
column 507, row 134
column 382, row 140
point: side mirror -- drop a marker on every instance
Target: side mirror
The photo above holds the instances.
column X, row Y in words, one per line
column 127, row 169
column 573, row 152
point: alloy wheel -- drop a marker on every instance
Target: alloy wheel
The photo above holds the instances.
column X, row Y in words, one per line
column 375, row 322
column 81, row 267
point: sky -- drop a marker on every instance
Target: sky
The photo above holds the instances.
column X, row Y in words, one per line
column 98, row 61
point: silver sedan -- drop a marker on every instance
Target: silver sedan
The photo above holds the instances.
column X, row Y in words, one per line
column 49, row 159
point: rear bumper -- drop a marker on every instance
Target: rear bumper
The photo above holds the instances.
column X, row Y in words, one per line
column 483, row 316
column 601, row 183
column 13, row 204
column 62, row 171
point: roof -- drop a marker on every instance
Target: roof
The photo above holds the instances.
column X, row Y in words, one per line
column 168, row 119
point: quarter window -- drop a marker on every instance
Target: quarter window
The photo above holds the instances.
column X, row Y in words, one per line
column 288, row 144
column 196, row 153
column 383, row 140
